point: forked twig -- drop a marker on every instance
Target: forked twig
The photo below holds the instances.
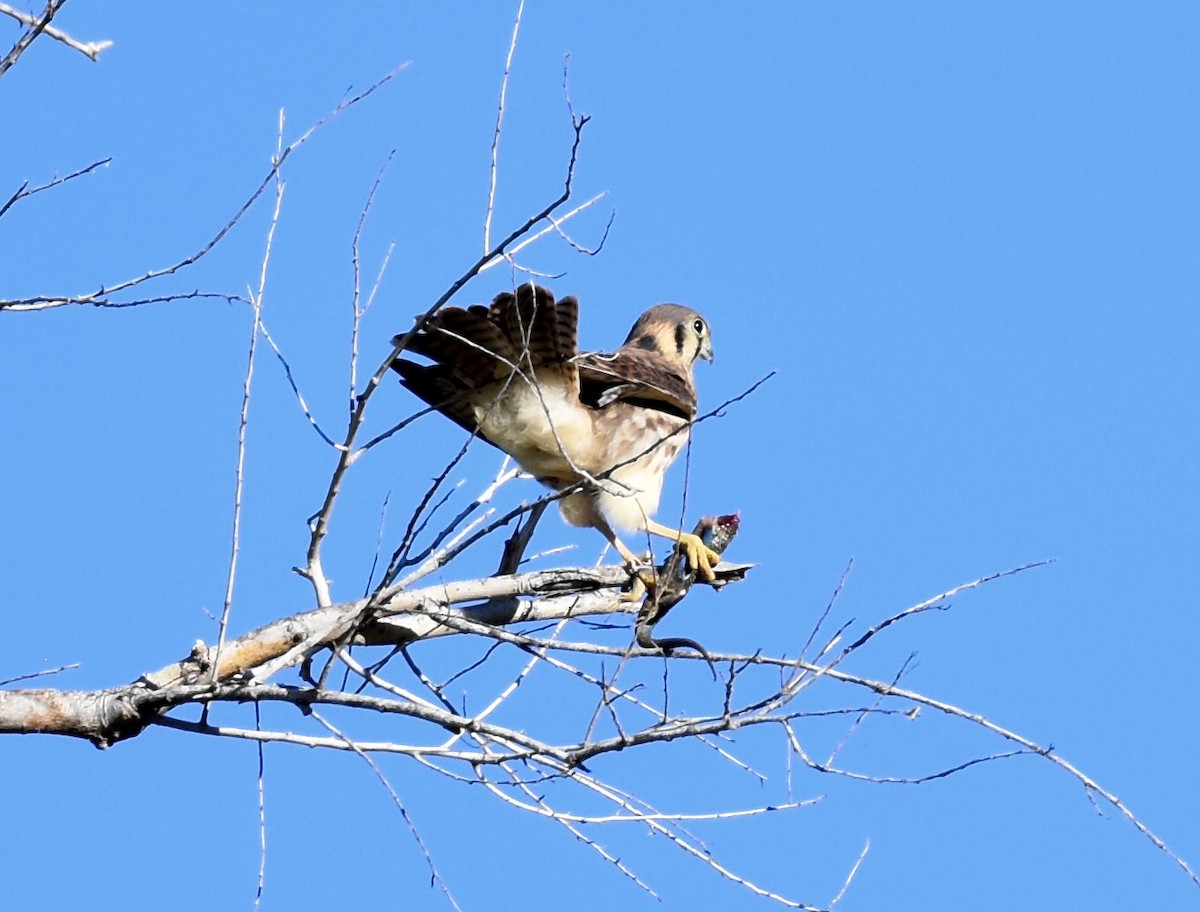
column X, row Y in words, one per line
column 37, row 25
column 25, row 191
column 256, row 298
column 103, row 296
column 89, row 49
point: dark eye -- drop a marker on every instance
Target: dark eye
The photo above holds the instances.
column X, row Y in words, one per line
column 698, row 326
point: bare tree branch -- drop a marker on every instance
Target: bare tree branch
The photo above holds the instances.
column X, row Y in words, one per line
column 492, row 171
column 256, row 299
column 514, row 628
column 103, row 296
column 38, row 674
column 25, row 191
column 484, row 607
column 319, row 526
column 90, row 49
column 37, row 25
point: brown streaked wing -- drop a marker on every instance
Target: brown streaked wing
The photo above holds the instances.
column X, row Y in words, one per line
column 533, row 320
column 438, row 387
column 566, row 328
column 467, row 343
column 636, row 375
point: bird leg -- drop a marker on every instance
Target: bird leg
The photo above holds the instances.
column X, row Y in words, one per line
column 645, row 577
column 641, row 569
column 700, row 557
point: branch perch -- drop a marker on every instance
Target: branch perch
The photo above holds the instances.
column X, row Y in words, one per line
column 398, row 618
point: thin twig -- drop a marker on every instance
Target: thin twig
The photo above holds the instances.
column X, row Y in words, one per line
column 262, row 814
column 46, row 672
column 291, row 379
column 37, row 25
column 102, row 297
column 319, row 527
column 412, row 827
column 244, row 415
column 357, row 308
column 492, row 170
column 850, row 876
column 90, row 49
column 841, row 584
column 937, row 601
column 24, row 191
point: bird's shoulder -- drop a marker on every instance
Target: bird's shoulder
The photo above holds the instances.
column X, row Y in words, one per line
column 638, row 376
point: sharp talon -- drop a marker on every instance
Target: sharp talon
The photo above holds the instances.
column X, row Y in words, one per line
column 635, row 592
column 700, row 557
column 648, row 577
column 644, row 580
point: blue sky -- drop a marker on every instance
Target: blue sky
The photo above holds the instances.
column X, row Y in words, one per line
column 965, row 237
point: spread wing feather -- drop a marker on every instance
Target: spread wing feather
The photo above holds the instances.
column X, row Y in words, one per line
column 437, row 385
column 538, row 327
column 467, row 343
column 477, row 347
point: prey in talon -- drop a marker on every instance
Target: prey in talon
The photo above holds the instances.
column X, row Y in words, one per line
column 677, row 573
column 673, row 580
column 603, row 428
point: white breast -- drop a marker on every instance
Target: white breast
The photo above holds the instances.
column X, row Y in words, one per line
column 634, row 489
column 542, row 426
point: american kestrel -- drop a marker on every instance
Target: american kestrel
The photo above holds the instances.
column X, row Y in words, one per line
column 610, row 424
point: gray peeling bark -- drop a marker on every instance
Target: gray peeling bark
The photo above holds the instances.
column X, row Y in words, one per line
column 397, row 618
column 101, row 716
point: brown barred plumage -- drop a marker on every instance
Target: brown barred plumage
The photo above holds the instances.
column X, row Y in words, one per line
column 512, row 374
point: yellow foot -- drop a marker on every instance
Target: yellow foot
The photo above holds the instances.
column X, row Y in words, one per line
column 645, row 580
column 700, row 557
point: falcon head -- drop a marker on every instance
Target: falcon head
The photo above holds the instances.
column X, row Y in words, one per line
column 675, row 332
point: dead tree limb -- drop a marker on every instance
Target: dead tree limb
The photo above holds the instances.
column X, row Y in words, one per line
column 398, row 618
